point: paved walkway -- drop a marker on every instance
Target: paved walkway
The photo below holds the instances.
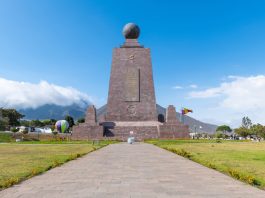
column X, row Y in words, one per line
column 138, row 170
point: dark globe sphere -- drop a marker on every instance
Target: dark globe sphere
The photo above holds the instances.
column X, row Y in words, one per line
column 131, row 31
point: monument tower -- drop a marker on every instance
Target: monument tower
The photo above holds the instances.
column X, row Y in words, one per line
column 131, row 89
column 131, row 105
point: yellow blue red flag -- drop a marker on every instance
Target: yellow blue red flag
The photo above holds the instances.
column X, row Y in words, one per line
column 185, row 111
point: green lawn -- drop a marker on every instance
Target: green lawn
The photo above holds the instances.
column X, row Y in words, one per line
column 5, row 137
column 242, row 160
column 19, row 161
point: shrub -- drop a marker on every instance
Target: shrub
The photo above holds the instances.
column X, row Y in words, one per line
column 9, row 182
column 14, row 129
column 180, row 152
column 246, row 178
column 5, row 137
column 218, row 141
column 212, row 166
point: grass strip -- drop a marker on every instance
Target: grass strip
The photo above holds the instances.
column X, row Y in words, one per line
column 244, row 161
column 19, row 162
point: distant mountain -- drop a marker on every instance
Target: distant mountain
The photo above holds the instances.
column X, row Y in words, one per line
column 54, row 111
column 59, row 112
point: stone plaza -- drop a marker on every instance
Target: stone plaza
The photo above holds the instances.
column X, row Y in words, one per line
column 131, row 107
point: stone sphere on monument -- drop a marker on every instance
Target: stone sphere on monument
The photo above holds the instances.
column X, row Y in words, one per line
column 131, row 31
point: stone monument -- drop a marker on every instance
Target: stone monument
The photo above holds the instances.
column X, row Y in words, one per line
column 131, row 89
column 131, row 102
column 90, row 129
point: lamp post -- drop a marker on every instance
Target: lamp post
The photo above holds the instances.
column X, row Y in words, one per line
column 195, row 131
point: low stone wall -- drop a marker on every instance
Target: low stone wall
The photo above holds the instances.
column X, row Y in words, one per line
column 42, row 136
column 139, row 133
column 174, row 131
column 85, row 132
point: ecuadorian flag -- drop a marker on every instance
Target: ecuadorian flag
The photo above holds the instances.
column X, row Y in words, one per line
column 185, row 111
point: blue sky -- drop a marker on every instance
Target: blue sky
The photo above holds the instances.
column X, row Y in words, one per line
column 202, row 43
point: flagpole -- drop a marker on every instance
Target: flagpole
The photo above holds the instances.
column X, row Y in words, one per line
column 182, row 116
column 184, row 111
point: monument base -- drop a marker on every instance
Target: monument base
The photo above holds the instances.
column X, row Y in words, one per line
column 121, row 130
column 145, row 130
column 139, row 130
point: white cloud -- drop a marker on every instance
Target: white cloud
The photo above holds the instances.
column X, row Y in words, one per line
column 193, row 86
column 241, row 93
column 28, row 95
column 208, row 93
column 177, row 87
column 238, row 97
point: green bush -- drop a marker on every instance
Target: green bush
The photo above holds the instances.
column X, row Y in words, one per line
column 180, row 152
column 14, row 129
column 6, row 137
column 243, row 177
column 218, row 141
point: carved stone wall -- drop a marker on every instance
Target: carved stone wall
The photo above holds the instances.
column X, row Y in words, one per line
column 90, row 129
column 131, row 89
column 91, row 118
column 172, row 128
column 139, row 132
column 171, row 115
column 87, row 132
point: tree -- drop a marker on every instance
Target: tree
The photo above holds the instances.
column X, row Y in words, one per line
column 70, row 120
column 246, row 122
column 258, row 130
column 48, row 122
column 14, row 130
column 37, row 123
column 81, row 120
column 12, row 115
column 53, row 121
column 219, row 134
column 242, row 131
column 224, row 128
column 25, row 123
column 3, row 123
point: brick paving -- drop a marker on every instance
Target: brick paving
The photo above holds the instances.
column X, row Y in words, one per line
column 138, row 170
